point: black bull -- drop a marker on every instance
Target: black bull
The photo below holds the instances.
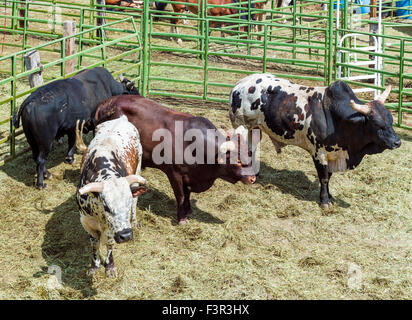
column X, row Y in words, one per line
column 51, row 112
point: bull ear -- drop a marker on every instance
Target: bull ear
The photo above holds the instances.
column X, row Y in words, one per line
column 356, row 119
column 91, row 187
column 138, row 191
column 121, row 78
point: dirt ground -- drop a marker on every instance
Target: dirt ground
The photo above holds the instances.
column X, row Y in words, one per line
column 269, row 240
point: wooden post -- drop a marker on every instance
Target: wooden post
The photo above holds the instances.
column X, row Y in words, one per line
column 373, row 28
column 22, row 13
column 101, row 21
column 373, row 10
column 32, row 61
column 69, row 28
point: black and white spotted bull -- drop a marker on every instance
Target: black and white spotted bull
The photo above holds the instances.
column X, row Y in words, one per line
column 329, row 122
column 109, row 186
column 52, row 110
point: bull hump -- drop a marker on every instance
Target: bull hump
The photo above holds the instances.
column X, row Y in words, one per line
column 115, row 150
column 282, row 114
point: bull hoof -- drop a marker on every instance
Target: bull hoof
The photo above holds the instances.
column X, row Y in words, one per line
column 47, row 174
column 183, row 221
column 111, row 271
column 41, row 186
column 69, row 160
column 92, row 271
column 326, row 206
column 179, row 42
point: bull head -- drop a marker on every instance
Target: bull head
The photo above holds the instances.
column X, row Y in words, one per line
column 237, row 143
column 129, row 84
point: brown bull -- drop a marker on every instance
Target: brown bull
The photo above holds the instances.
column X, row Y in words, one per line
column 188, row 170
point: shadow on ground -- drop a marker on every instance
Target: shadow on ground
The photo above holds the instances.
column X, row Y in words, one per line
column 295, row 183
column 160, row 204
column 404, row 29
column 67, row 246
column 23, row 168
column 405, row 136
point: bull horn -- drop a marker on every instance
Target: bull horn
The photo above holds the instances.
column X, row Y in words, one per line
column 384, row 95
column 121, row 78
column 133, row 178
column 79, row 138
column 91, row 187
column 227, row 146
column 130, row 85
column 361, row 108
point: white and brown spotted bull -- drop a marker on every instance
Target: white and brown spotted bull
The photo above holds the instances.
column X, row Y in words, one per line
column 109, row 186
column 330, row 122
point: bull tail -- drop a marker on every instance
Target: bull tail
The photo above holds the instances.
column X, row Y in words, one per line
column 160, row 5
column 80, row 145
column 16, row 117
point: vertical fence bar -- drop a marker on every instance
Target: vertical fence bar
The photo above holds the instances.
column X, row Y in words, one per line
column 13, row 15
column 326, row 59
column 206, row 58
column 294, row 31
column 249, row 26
column 330, row 42
column 145, row 76
column 345, row 27
column 13, row 105
column 201, row 25
column 62, row 56
column 265, row 45
column 401, row 70
column 54, row 16
column 79, row 60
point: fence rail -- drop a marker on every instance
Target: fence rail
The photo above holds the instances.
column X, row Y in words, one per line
column 297, row 42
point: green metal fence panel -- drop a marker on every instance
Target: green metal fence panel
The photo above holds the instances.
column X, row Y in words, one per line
column 121, row 55
column 298, row 42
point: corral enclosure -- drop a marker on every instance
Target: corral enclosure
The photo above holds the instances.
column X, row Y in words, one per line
column 266, row 241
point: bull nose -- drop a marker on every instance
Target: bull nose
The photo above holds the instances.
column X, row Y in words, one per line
column 124, row 235
column 397, row 143
column 251, row 179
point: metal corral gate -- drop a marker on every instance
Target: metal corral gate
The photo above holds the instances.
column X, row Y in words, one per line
column 205, row 66
column 297, row 42
column 121, row 51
